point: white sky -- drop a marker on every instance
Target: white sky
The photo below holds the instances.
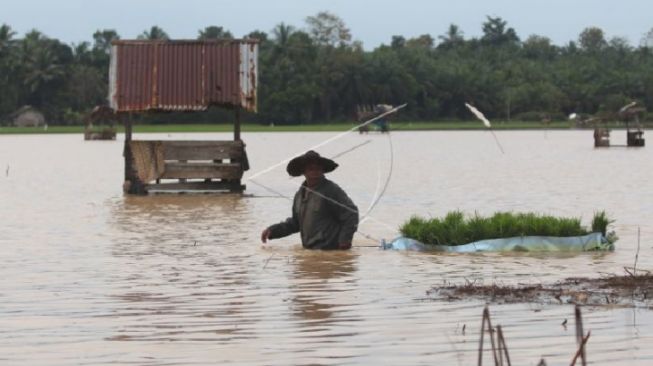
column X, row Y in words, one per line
column 372, row 22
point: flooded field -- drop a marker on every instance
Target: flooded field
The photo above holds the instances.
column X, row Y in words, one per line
column 92, row 277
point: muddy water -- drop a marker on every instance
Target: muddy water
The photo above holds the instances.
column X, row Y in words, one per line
column 91, row 277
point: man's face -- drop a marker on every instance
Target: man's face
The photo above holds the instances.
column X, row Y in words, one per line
column 313, row 171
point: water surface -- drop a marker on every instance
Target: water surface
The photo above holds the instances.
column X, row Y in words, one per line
column 92, row 277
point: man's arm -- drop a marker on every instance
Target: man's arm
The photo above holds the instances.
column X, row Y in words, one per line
column 284, row 228
column 287, row 227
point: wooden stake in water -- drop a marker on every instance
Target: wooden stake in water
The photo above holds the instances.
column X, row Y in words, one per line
column 580, row 339
column 636, row 254
column 581, row 350
column 502, row 346
column 499, row 348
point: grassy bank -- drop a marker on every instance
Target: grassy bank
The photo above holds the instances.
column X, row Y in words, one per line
column 456, row 229
column 395, row 126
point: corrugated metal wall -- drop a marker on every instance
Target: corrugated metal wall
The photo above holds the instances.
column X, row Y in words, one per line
column 183, row 75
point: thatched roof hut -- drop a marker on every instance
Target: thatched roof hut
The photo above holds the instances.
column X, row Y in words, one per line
column 28, row 116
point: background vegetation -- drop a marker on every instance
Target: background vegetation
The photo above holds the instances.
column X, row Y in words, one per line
column 319, row 74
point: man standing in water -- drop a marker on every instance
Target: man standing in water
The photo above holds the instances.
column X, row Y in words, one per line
column 322, row 213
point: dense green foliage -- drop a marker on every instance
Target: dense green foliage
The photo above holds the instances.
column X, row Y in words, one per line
column 456, row 229
column 319, row 74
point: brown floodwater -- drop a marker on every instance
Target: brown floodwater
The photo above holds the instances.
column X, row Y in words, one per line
column 90, row 276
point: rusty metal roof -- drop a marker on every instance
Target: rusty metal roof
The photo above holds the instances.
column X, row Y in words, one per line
column 183, row 75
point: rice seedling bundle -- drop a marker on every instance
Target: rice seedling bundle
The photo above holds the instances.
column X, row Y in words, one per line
column 456, row 229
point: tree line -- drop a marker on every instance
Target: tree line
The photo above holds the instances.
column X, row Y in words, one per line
column 321, row 74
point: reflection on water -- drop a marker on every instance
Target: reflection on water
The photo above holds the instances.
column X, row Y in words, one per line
column 92, row 277
column 321, row 276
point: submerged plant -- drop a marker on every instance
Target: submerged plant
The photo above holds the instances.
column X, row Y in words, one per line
column 456, row 229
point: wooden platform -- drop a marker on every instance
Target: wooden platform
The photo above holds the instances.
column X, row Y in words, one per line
column 184, row 166
column 104, row 134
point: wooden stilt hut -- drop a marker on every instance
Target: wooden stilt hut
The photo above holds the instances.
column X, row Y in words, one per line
column 183, row 76
column 634, row 130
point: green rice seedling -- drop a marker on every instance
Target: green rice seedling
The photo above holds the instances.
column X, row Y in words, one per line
column 435, row 232
column 570, row 227
column 479, row 227
column 600, row 222
column 454, row 226
column 499, row 224
column 414, row 228
column 456, row 229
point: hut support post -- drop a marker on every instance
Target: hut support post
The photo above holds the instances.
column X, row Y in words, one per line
column 236, row 185
column 128, row 127
column 237, row 124
column 132, row 184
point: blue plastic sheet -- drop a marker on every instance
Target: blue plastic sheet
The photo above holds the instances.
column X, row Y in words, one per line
column 590, row 242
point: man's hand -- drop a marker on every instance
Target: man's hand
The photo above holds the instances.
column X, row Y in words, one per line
column 344, row 246
column 265, row 235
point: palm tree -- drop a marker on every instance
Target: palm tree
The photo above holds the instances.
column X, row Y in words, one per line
column 102, row 39
column 497, row 32
column 40, row 66
column 213, row 32
column 8, row 62
column 282, row 33
column 82, row 53
column 453, row 36
column 6, row 38
column 155, row 33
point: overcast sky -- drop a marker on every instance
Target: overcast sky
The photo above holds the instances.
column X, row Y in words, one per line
column 372, row 22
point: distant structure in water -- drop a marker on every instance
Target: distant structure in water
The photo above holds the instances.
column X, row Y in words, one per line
column 629, row 114
column 99, row 124
column 366, row 112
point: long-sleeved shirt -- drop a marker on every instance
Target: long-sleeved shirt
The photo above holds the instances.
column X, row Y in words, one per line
column 322, row 223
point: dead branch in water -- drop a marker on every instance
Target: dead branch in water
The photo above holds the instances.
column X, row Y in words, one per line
column 610, row 290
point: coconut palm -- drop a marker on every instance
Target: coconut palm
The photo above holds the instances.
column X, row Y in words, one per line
column 452, row 37
column 102, row 39
column 281, row 34
column 8, row 90
column 40, row 67
column 214, row 32
column 6, row 38
column 497, row 32
column 155, row 33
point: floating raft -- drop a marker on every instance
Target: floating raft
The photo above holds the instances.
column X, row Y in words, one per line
column 590, row 242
